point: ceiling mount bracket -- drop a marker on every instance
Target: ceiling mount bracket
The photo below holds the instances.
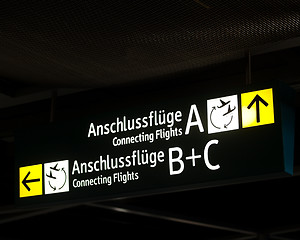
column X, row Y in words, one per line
column 53, row 105
column 248, row 68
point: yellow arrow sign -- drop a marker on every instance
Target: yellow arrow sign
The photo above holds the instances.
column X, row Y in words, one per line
column 30, row 180
column 257, row 108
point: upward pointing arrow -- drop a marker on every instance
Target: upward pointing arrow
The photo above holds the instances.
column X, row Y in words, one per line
column 256, row 100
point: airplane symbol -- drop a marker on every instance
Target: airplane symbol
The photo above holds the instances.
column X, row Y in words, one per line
column 223, row 114
column 50, row 176
column 55, row 167
column 229, row 110
column 223, row 103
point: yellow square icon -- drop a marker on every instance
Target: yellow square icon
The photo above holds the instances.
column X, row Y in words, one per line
column 257, row 108
column 31, row 180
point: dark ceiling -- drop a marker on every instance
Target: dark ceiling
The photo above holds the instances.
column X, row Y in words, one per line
column 98, row 43
column 111, row 53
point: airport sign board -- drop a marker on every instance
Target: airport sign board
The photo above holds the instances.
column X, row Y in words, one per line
column 185, row 143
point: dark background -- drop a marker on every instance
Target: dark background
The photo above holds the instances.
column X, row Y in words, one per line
column 61, row 61
column 245, row 154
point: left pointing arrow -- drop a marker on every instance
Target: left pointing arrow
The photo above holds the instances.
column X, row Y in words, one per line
column 25, row 181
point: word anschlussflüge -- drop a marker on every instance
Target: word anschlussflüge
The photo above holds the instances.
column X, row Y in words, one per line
column 155, row 118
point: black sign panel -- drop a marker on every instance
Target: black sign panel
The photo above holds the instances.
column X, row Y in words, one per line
column 185, row 143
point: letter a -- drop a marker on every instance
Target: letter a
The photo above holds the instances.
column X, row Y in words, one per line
column 190, row 123
column 92, row 130
column 75, row 168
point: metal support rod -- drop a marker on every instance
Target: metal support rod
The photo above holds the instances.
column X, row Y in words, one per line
column 248, row 69
column 173, row 218
column 53, row 104
column 284, row 229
